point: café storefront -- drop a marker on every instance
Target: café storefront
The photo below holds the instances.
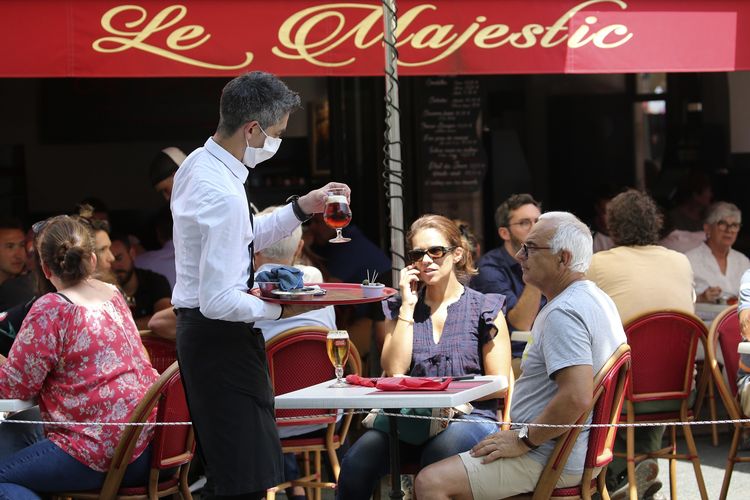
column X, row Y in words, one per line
column 480, row 86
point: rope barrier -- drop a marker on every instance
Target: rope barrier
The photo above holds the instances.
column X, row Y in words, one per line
column 462, row 420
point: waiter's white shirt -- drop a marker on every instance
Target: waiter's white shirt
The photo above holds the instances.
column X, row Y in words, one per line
column 212, row 235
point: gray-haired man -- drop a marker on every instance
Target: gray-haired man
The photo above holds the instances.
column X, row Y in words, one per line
column 573, row 336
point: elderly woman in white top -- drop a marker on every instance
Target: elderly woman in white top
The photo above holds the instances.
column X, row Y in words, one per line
column 717, row 267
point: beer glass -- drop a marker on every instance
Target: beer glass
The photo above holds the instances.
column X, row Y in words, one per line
column 337, row 214
column 337, row 346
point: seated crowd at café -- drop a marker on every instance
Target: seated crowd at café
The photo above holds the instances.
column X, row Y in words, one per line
column 572, row 288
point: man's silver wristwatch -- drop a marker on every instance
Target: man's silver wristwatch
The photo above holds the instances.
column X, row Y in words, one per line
column 523, row 435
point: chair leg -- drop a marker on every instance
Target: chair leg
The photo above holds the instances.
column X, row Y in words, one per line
column 630, row 457
column 306, row 460
column 673, row 464
column 601, row 482
column 712, row 412
column 333, row 459
column 586, row 484
column 318, row 474
column 696, row 461
column 730, row 462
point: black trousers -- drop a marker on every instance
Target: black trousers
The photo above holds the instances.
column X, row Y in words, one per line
column 229, row 393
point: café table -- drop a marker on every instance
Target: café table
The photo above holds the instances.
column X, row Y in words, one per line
column 12, row 405
column 707, row 312
column 322, row 396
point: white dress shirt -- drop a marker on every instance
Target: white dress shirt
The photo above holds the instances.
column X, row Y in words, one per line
column 212, row 236
column 707, row 273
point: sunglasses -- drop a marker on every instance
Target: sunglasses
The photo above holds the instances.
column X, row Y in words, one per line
column 436, row 252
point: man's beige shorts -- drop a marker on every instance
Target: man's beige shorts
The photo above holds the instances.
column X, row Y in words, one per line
column 507, row 476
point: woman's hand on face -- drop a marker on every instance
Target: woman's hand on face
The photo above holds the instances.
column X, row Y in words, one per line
column 408, row 284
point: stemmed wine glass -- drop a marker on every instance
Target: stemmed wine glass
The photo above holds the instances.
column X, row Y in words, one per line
column 337, row 214
column 337, row 346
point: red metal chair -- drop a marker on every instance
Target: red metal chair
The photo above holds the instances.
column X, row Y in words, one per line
column 609, row 394
column 664, row 345
column 725, row 334
column 297, row 358
column 172, row 446
column 161, row 351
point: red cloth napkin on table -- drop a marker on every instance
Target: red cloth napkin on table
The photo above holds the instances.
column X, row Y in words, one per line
column 400, row 383
column 357, row 380
column 411, row 384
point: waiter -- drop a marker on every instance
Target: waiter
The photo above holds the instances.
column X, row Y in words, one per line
column 222, row 357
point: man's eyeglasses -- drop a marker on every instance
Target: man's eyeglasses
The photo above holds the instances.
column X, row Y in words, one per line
column 525, row 249
column 524, row 223
column 436, row 252
column 729, row 226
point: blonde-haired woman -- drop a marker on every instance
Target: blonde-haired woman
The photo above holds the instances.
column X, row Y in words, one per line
column 434, row 327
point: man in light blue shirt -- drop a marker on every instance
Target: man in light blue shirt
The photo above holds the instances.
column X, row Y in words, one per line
column 573, row 336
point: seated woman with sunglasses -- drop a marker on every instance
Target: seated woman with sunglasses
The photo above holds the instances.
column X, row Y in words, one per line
column 435, row 327
column 79, row 353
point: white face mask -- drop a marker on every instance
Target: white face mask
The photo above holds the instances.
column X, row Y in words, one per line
column 253, row 156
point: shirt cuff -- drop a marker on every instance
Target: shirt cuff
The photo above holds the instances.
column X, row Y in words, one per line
column 271, row 311
column 287, row 220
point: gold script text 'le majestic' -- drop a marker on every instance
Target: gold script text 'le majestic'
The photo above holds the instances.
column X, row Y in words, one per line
column 314, row 32
column 300, row 40
column 180, row 39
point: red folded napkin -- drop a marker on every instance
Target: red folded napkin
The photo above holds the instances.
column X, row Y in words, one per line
column 400, row 383
column 411, row 384
column 357, row 380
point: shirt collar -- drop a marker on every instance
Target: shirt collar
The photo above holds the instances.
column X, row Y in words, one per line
column 234, row 165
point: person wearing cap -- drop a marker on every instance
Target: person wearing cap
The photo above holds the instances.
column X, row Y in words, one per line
column 162, row 170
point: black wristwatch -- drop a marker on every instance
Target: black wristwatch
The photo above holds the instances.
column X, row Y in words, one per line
column 298, row 212
column 523, row 435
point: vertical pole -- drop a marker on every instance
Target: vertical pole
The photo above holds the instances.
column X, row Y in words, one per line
column 393, row 164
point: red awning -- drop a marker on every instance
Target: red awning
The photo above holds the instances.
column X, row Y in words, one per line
column 100, row 38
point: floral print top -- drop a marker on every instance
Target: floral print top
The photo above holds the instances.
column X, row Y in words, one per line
column 84, row 364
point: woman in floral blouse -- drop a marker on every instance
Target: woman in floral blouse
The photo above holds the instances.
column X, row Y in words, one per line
column 79, row 353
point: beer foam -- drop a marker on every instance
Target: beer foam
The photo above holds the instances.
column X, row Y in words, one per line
column 338, row 334
column 336, row 198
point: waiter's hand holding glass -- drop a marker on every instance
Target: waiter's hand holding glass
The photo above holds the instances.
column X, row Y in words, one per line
column 337, row 346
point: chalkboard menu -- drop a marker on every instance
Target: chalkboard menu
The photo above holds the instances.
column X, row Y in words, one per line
column 449, row 128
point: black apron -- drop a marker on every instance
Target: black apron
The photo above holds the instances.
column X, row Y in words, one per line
column 225, row 373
